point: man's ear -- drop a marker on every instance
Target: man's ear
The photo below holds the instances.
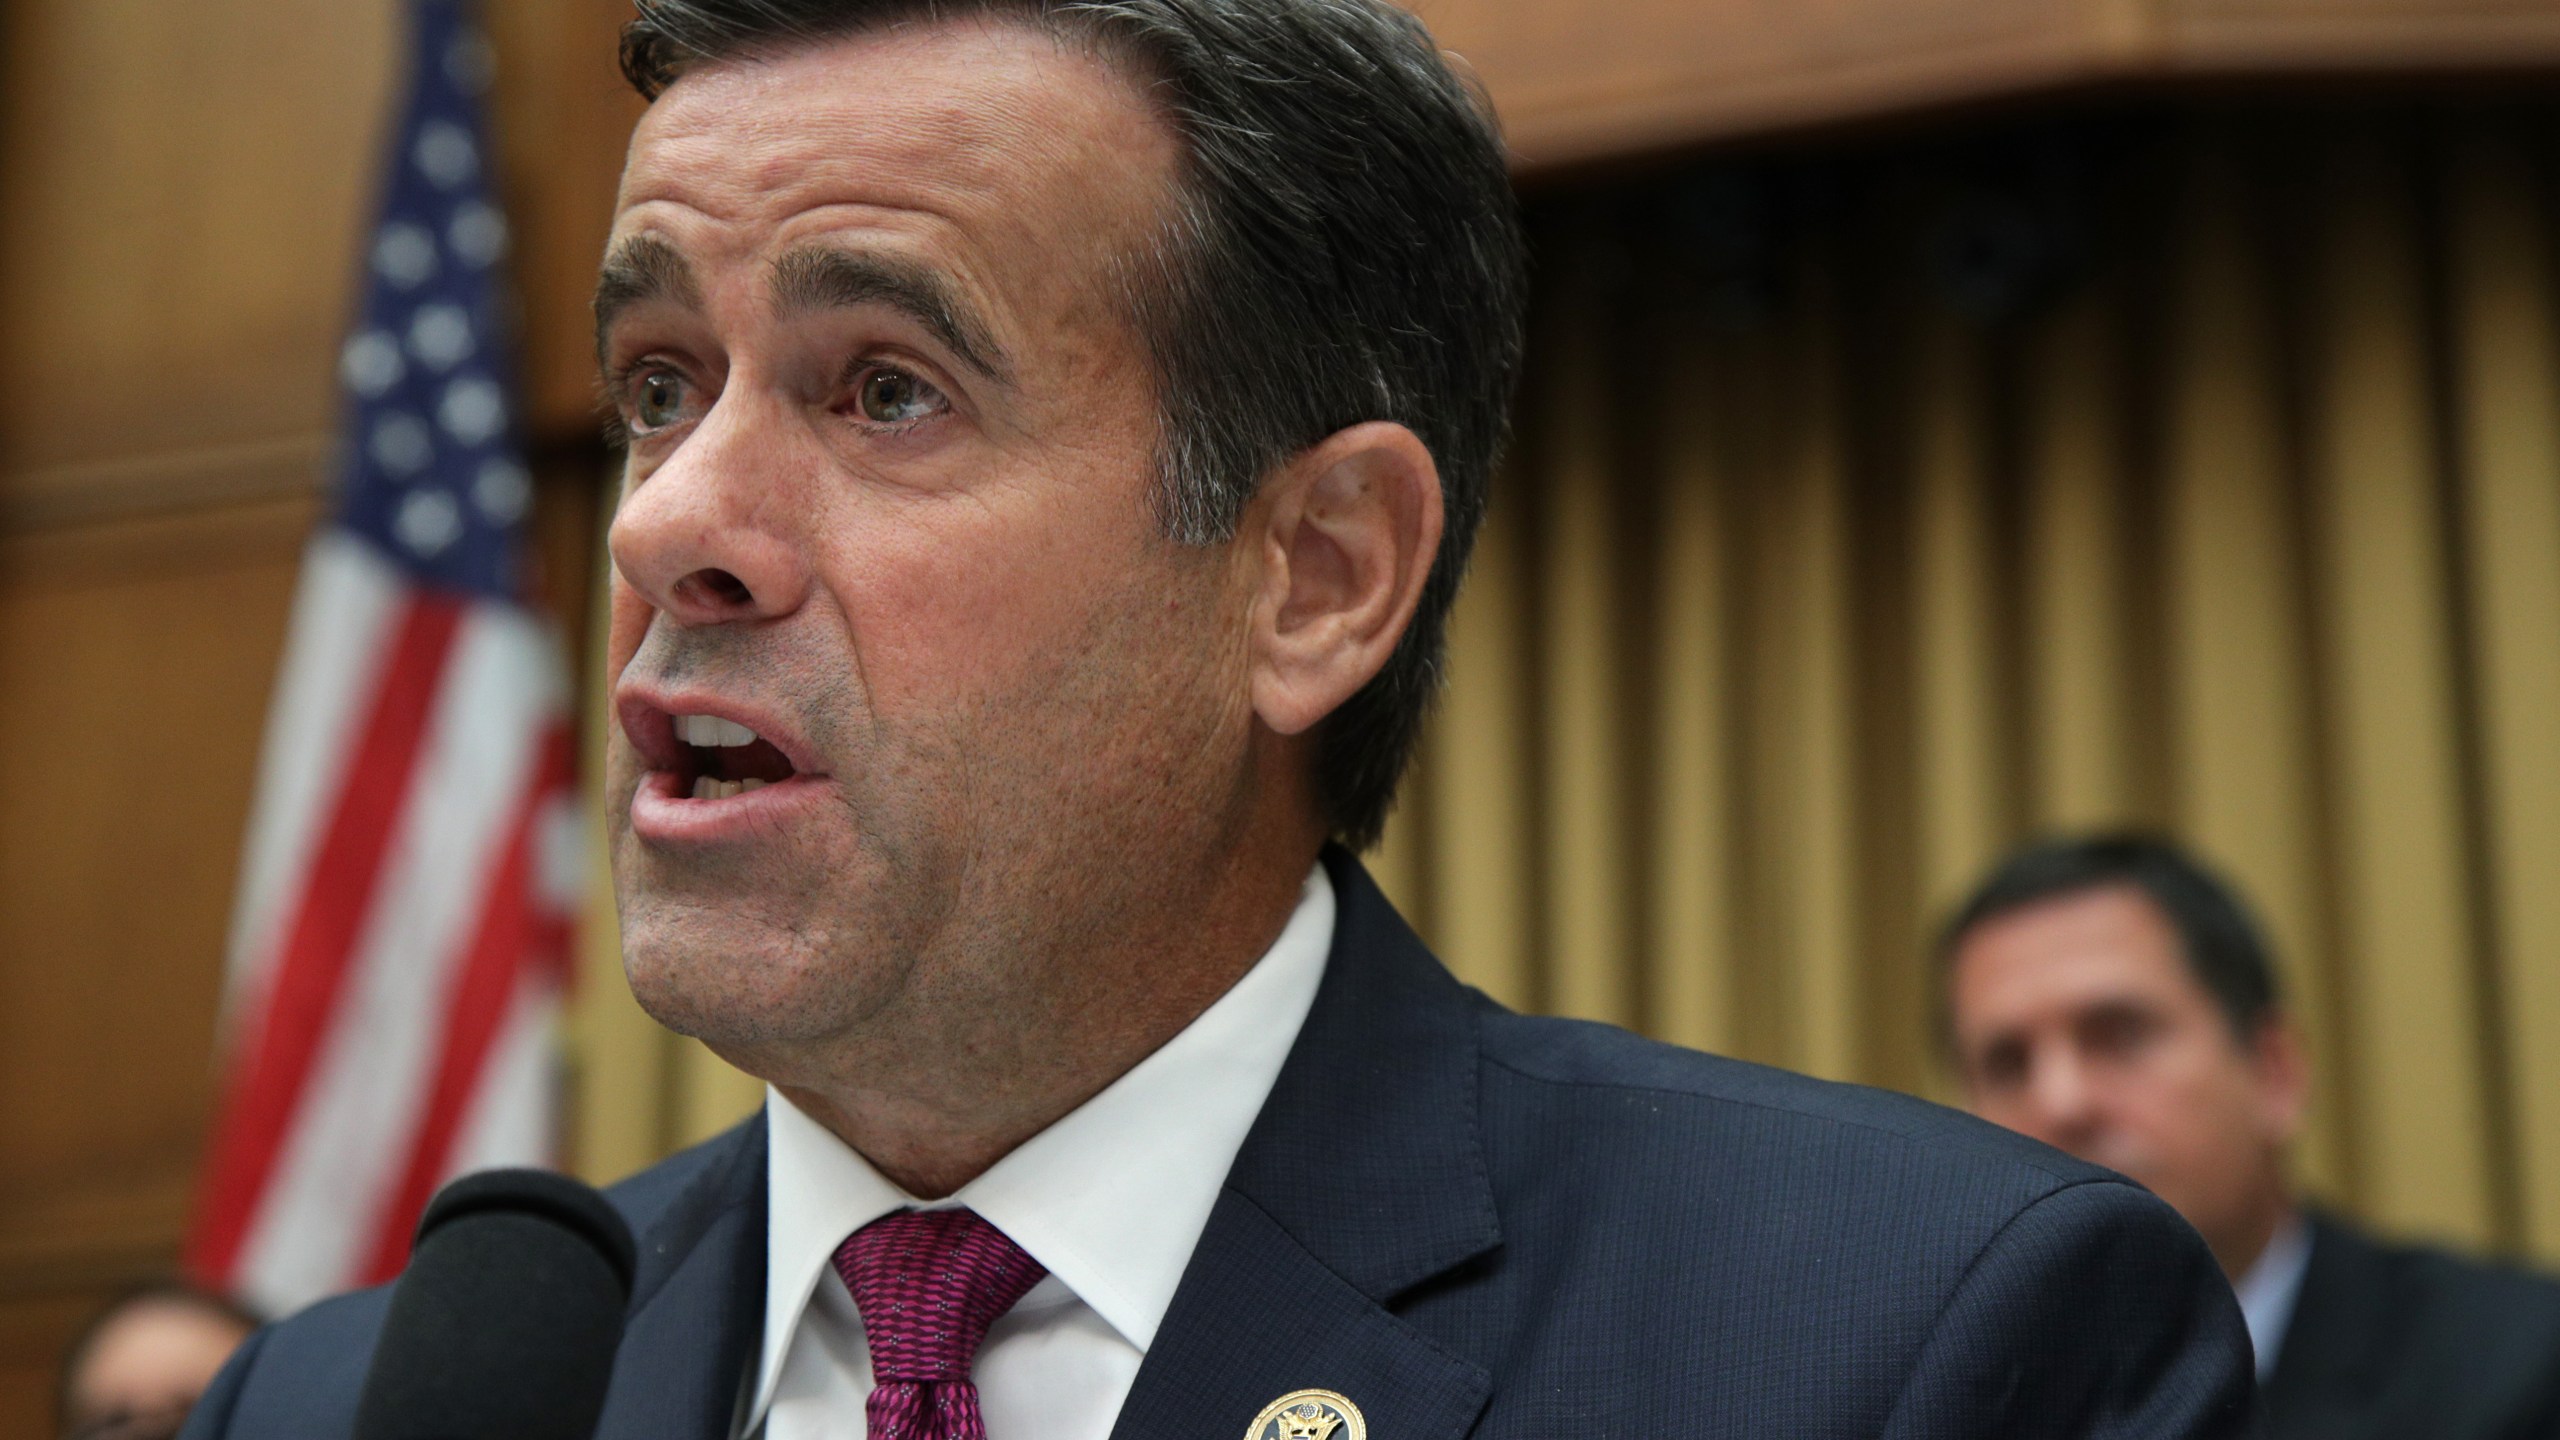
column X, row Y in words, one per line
column 2284, row 1076
column 1347, row 534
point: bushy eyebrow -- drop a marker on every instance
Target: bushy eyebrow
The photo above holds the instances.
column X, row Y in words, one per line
column 820, row 278
column 637, row 271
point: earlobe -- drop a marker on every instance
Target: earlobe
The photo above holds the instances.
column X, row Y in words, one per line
column 1349, row 531
column 2284, row 1076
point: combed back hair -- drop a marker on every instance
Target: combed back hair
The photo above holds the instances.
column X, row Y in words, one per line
column 1343, row 246
column 2222, row 945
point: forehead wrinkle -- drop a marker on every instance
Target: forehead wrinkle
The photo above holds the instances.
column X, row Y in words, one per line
column 816, row 278
column 1031, row 193
column 770, row 135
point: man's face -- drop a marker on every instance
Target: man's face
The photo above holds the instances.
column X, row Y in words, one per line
column 2077, row 1021
column 149, row 1364
column 888, row 508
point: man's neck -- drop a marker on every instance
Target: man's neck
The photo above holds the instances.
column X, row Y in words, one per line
column 2239, row 1247
column 931, row 1125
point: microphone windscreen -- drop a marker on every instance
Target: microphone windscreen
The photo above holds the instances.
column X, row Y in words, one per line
column 506, row 1321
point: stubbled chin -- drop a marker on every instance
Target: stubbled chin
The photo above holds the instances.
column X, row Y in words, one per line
column 730, row 982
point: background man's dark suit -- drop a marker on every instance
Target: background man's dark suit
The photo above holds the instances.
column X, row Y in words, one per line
column 2399, row 1342
column 1472, row 1222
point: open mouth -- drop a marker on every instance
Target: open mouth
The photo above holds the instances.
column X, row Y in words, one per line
column 719, row 758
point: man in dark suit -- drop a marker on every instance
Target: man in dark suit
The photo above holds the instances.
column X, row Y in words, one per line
column 2112, row 997
column 1056, row 432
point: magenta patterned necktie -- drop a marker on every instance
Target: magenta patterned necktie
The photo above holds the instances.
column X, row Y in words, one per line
column 928, row 1284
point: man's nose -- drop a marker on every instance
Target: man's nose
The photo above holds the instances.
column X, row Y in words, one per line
column 2062, row 1099
column 713, row 536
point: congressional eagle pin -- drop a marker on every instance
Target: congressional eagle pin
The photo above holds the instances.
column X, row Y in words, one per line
column 1309, row 1415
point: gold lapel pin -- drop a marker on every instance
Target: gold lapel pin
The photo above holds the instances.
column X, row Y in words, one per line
column 1309, row 1415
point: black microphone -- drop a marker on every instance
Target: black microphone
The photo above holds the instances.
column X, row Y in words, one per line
column 506, row 1321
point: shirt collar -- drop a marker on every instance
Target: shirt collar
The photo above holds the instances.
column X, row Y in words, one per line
column 2270, row 1286
column 1113, row 1197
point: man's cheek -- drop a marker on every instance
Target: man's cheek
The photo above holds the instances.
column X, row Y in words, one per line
column 627, row 623
column 622, row 771
column 958, row 651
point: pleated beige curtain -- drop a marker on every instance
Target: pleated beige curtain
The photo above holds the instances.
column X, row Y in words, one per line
column 1876, row 509
column 2199, row 473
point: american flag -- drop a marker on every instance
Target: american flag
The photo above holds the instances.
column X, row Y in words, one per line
column 400, row 943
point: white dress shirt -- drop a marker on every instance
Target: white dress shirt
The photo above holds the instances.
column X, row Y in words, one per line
column 1112, row 1199
column 2268, row 1289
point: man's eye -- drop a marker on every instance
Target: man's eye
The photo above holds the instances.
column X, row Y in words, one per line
column 2002, row 1067
column 658, row 400
column 2119, row 1033
column 891, row 397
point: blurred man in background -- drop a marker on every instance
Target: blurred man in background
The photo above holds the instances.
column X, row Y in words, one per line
column 139, row 1367
column 2113, row 998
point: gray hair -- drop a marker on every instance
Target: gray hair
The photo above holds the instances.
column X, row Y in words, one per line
column 1344, row 246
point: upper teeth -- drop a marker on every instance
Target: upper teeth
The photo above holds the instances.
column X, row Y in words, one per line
column 712, row 730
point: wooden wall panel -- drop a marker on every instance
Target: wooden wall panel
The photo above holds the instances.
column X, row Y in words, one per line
column 134, row 659
column 185, row 215
column 1661, row 74
column 2347, row 35
column 563, row 116
column 182, row 204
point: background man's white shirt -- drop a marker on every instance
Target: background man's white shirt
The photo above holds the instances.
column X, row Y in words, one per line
column 1112, row 1199
column 2270, row 1288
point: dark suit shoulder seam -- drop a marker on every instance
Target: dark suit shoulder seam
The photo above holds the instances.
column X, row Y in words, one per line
column 2064, row 1178
column 1990, row 1243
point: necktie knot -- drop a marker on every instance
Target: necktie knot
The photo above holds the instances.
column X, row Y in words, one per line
column 928, row 1284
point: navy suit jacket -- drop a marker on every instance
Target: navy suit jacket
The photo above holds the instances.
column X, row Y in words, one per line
column 2404, row 1342
column 1475, row 1223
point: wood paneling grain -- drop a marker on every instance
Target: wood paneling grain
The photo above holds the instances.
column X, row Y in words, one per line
column 135, row 659
column 136, row 662
column 1662, row 73
column 1575, row 86
column 186, row 213
column 563, row 116
column 2259, row 36
column 32, row 1336
column 186, row 205
column 180, row 235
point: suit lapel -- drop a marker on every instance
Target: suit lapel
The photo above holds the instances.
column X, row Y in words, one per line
column 2328, row 1369
column 1363, row 1177
column 1258, row 1317
column 697, row 1301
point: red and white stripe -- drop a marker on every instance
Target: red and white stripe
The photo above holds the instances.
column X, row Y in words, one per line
column 400, row 942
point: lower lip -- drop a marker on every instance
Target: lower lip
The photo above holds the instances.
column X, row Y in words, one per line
column 663, row 812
